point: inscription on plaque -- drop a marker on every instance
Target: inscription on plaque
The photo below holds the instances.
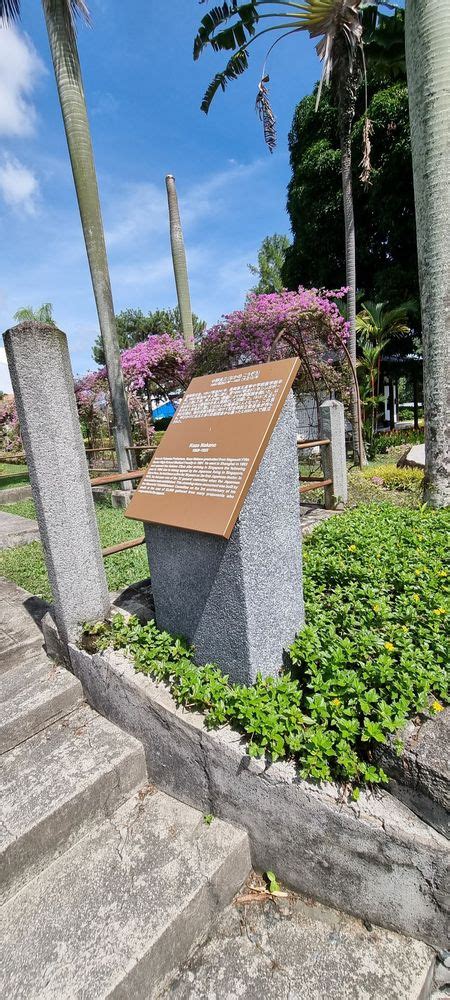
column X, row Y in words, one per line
column 206, row 461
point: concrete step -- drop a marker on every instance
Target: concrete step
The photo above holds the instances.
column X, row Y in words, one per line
column 120, row 911
column 295, row 949
column 33, row 696
column 57, row 784
column 19, row 632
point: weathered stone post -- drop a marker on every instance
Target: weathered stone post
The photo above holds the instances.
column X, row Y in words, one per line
column 42, row 380
column 239, row 601
column 332, row 426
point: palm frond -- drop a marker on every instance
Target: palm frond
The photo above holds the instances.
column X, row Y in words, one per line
column 78, row 8
column 266, row 114
column 236, row 65
column 232, row 37
column 9, row 10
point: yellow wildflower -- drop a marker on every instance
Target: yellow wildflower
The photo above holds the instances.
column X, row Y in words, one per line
column 390, row 646
column 352, row 548
column 416, row 597
column 376, row 607
column 436, row 705
column 336, row 701
column 440, row 611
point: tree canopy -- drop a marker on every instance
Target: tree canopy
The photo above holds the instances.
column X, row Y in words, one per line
column 384, row 210
column 133, row 326
column 271, row 257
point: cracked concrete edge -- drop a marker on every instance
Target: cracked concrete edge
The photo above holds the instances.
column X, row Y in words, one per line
column 374, row 859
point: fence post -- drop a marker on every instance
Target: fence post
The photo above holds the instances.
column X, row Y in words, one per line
column 332, row 426
column 42, row 380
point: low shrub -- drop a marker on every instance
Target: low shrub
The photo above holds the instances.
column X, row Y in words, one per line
column 394, row 478
column 381, row 443
column 372, row 654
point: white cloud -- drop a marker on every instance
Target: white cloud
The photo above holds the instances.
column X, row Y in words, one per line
column 18, row 185
column 20, row 68
column 5, row 381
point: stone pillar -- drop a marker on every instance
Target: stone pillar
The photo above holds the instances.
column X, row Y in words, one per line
column 42, row 380
column 239, row 601
column 334, row 464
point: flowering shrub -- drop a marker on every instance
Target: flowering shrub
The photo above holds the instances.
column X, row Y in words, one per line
column 10, row 440
column 394, row 478
column 373, row 653
column 307, row 323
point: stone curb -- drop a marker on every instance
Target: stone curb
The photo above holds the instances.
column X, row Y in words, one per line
column 374, row 859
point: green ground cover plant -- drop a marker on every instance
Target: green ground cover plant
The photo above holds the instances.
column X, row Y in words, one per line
column 374, row 651
column 12, row 474
column 25, row 564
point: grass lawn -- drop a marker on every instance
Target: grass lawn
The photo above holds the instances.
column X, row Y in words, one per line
column 12, row 474
column 25, row 564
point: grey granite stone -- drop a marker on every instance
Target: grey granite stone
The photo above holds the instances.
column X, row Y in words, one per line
column 420, row 775
column 334, row 462
column 238, row 601
column 42, row 379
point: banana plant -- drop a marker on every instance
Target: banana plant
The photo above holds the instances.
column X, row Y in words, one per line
column 234, row 27
column 60, row 18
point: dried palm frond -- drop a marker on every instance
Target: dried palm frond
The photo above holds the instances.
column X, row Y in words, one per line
column 366, row 166
column 266, row 114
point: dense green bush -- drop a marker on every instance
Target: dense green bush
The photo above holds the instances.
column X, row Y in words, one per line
column 382, row 442
column 373, row 653
column 394, row 478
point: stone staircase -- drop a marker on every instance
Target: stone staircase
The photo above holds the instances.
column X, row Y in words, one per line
column 114, row 889
column 107, row 883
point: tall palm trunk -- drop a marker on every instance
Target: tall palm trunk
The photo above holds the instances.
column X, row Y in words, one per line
column 73, row 106
column 347, row 78
column 427, row 41
column 179, row 263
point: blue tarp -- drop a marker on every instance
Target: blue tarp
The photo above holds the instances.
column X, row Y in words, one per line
column 166, row 410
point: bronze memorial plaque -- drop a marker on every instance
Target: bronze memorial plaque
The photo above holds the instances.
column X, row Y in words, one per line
column 200, row 473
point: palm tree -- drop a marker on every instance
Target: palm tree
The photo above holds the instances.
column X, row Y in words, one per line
column 338, row 26
column 179, row 263
column 44, row 314
column 376, row 325
column 427, row 40
column 60, row 17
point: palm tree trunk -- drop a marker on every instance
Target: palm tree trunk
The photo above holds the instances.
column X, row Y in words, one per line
column 179, row 263
column 427, row 41
column 73, row 106
column 347, row 86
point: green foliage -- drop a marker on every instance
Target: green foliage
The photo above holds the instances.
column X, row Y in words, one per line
column 382, row 442
column 394, row 478
column 274, row 885
column 133, row 326
column 271, row 258
column 12, row 474
column 25, row 564
column 373, row 653
column 43, row 314
column 208, row 818
column 384, row 211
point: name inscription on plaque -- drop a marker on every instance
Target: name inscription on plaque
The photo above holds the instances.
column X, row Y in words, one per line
column 202, row 469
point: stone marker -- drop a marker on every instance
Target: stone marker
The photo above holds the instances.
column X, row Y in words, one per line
column 239, row 600
column 334, row 464
column 42, row 380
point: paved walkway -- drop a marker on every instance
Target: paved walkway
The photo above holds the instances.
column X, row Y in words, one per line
column 15, row 530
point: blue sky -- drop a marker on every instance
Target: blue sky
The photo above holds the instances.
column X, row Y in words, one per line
column 143, row 92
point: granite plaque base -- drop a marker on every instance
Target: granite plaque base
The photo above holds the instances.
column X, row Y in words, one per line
column 239, row 601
